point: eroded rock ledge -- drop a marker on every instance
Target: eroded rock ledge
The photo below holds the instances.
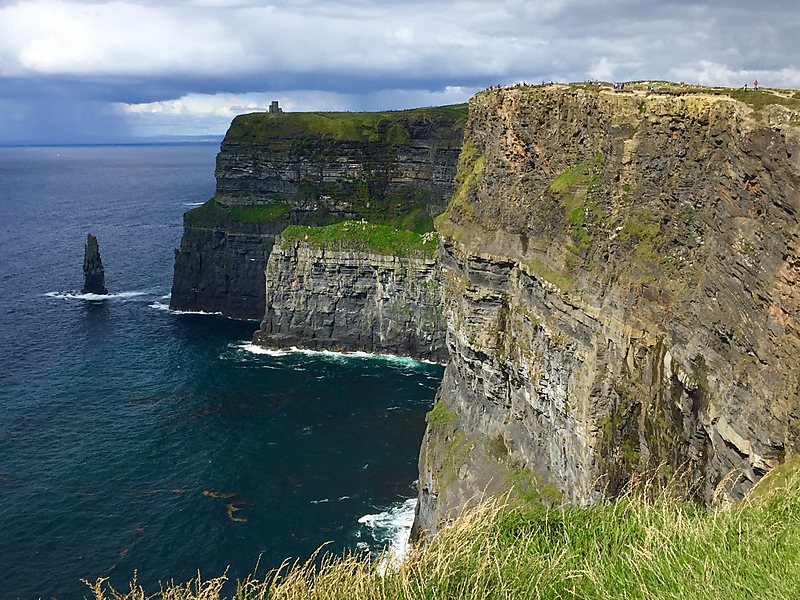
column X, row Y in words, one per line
column 325, row 299
column 620, row 293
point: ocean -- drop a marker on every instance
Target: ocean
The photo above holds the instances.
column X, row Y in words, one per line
column 134, row 438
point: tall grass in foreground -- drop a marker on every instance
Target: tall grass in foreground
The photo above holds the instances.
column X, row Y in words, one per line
column 634, row 547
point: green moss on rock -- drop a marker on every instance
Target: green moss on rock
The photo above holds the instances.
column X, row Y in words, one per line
column 440, row 415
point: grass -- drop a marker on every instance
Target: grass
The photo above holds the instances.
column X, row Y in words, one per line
column 563, row 282
column 212, row 215
column 361, row 236
column 469, row 173
column 259, row 213
column 389, row 127
column 759, row 99
column 643, row 545
column 206, row 215
column 642, row 225
column 569, row 179
column 583, row 214
column 440, row 415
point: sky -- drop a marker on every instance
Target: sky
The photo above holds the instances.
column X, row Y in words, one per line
column 108, row 71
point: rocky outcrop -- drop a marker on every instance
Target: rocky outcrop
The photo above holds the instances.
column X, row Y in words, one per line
column 220, row 265
column 322, row 298
column 620, row 293
column 94, row 276
column 274, row 170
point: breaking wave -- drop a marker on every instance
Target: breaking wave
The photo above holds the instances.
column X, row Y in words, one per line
column 256, row 349
column 165, row 307
column 391, row 529
column 81, row 296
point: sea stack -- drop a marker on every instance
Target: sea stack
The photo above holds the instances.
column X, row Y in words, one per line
column 94, row 278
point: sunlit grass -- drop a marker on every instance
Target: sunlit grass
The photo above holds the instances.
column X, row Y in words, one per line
column 360, row 236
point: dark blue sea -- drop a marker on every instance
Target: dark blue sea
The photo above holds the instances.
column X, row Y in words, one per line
column 133, row 438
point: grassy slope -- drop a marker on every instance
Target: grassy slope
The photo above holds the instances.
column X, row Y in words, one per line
column 366, row 237
column 339, row 126
column 211, row 215
column 632, row 548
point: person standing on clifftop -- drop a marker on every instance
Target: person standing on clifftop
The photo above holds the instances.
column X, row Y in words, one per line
column 755, row 84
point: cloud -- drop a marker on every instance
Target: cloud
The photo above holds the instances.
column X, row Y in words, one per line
column 205, row 114
column 704, row 70
column 203, row 59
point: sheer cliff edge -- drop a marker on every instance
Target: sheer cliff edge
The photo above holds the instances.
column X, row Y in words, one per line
column 309, row 169
column 620, row 290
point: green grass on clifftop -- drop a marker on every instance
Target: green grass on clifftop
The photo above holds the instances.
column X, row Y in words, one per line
column 213, row 215
column 636, row 547
column 259, row 213
column 360, row 236
column 389, row 126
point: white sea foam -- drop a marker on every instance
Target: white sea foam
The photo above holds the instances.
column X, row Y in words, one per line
column 326, row 500
column 256, row 349
column 82, row 296
column 162, row 306
column 193, row 203
column 392, row 525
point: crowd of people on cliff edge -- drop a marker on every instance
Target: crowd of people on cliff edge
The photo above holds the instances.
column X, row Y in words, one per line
column 619, row 86
column 519, row 84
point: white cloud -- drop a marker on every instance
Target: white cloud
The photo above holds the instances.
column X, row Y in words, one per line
column 602, row 69
column 205, row 114
column 61, row 38
column 719, row 74
column 455, row 39
column 200, row 38
column 199, row 61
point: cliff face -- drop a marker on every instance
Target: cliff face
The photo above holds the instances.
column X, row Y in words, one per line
column 620, row 293
column 337, row 162
column 220, row 264
column 326, row 299
column 274, row 170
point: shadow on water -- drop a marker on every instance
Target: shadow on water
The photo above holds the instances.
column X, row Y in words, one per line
column 98, row 314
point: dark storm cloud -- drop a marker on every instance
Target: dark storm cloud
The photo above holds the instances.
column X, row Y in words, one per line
column 194, row 61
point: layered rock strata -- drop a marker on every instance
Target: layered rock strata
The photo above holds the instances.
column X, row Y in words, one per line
column 620, row 293
column 326, row 299
column 220, row 264
column 274, row 170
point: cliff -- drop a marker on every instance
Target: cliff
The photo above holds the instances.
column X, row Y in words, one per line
column 620, row 295
column 331, row 289
column 276, row 170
